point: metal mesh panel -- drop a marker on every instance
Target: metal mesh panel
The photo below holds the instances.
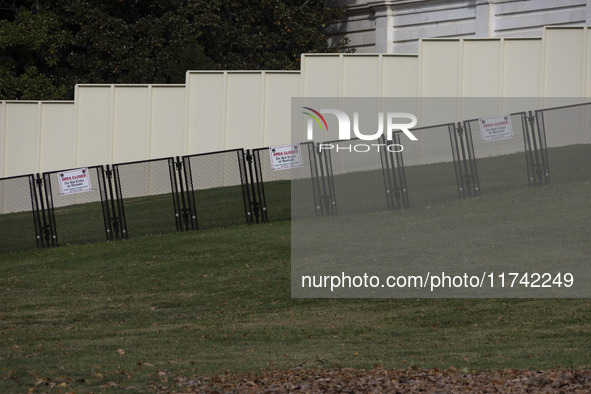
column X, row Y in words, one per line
column 429, row 167
column 306, row 190
column 17, row 230
column 567, row 131
column 79, row 217
column 146, row 195
column 359, row 184
column 273, row 188
column 219, row 188
column 501, row 164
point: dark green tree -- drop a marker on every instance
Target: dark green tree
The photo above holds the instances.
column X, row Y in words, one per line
column 30, row 45
column 49, row 46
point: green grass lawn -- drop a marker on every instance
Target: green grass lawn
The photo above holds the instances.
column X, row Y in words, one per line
column 144, row 310
column 140, row 311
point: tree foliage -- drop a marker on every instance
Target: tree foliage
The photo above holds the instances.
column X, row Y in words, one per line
column 49, row 46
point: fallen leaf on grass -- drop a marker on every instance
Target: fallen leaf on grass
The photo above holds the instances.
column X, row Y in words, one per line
column 384, row 380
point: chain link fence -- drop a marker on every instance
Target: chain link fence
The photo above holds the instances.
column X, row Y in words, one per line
column 272, row 188
column 17, row 229
column 568, row 135
column 233, row 187
column 79, row 217
column 430, row 172
column 219, row 187
column 147, row 194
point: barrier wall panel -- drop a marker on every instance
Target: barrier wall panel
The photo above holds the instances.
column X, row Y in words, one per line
column 58, row 136
column 362, row 75
column 168, row 121
column 95, row 125
column 440, row 68
column 244, row 111
column 280, row 87
column 400, row 76
column 588, row 64
column 321, row 75
column 564, row 62
column 131, row 123
column 22, row 137
column 482, row 71
column 227, row 109
column 2, row 137
column 522, row 68
column 206, row 111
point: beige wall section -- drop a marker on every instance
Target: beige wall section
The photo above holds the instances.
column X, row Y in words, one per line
column 359, row 75
column 58, row 136
column 2, row 137
column 440, row 72
column 362, row 75
column 123, row 123
column 168, row 134
column 400, row 75
column 218, row 110
column 565, row 62
column 280, row 87
column 23, row 136
column 131, row 123
column 206, row 101
column 482, row 74
column 522, row 67
column 239, row 109
column 321, row 75
column 244, row 110
column 94, row 124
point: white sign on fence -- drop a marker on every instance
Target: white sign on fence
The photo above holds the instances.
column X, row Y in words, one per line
column 74, row 181
column 284, row 157
column 496, row 128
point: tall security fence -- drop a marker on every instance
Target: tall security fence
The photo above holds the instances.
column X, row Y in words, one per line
column 452, row 161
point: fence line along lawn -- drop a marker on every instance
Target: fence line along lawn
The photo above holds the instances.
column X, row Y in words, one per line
column 142, row 311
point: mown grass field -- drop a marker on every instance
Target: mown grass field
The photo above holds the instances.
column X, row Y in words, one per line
column 143, row 311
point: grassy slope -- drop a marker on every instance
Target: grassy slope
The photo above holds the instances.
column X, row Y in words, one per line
column 202, row 302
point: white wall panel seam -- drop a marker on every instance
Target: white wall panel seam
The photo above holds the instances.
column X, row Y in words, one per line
column 224, row 119
column 460, row 88
column 341, row 75
column 149, row 116
column 501, row 84
column 187, row 128
column 76, row 125
column 542, row 61
column 420, row 68
column 262, row 118
column 39, row 147
column 585, row 63
column 112, row 125
column 380, row 76
column 3, row 133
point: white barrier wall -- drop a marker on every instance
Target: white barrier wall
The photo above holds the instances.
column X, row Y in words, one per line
column 36, row 134
column 121, row 123
column 239, row 109
column 218, row 110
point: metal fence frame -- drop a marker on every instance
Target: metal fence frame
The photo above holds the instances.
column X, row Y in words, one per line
column 249, row 177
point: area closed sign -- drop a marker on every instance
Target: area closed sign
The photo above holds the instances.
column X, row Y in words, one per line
column 74, row 181
column 496, row 128
column 284, row 157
